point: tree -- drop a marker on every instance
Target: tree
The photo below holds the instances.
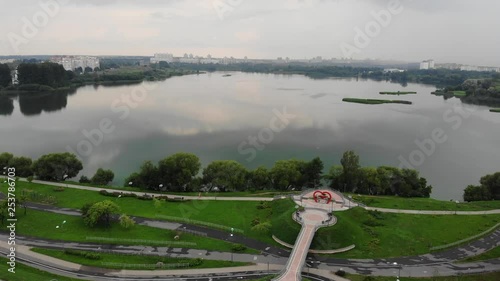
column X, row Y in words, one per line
column 492, row 183
column 84, row 179
column 55, row 166
column 4, row 159
column 5, row 77
column 88, row 69
column 148, row 177
column 157, row 203
column 312, row 172
column 178, row 170
column 47, row 73
column 259, row 179
column 22, row 165
column 476, row 193
column 102, row 177
column 285, row 174
column 334, row 176
column 100, row 213
column 126, row 222
column 350, row 165
column 225, row 174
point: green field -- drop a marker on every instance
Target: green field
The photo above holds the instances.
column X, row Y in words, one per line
column 374, row 101
column 479, row 277
column 43, row 224
column 236, row 214
column 26, row 273
column 496, row 110
column 398, row 93
column 491, row 254
column 393, row 202
column 378, row 235
column 259, row 193
column 459, row 93
column 135, row 260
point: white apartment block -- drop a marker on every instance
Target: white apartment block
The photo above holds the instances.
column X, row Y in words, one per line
column 74, row 62
column 427, row 64
column 162, row 57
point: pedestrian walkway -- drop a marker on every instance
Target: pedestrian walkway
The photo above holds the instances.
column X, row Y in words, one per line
column 316, row 214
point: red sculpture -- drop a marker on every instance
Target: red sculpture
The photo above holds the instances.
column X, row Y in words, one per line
column 324, row 195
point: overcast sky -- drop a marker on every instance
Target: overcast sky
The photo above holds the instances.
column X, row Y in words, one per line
column 461, row 31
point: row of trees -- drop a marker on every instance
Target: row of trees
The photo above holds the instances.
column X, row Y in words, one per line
column 489, row 189
column 47, row 73
column 5, row 76
column 179, row 172
column 53, row 167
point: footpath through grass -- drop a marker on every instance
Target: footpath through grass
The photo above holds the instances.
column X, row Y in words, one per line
column 43, row 224
column 258, row 193
column 26, row 273
column 393, row 202
column 491, row 254
column 138, row 262
column 382, row 235
column 235, row 214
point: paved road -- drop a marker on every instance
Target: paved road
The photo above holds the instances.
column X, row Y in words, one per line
column 426, row 212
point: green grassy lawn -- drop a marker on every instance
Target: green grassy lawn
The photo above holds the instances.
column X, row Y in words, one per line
column 236, row 214
column 478, row 277
column 398, row 93
column 374, row 101
column 496, row 110
column 43, row 224
column 459, row 93
column 381, row 235
column 259, row 193
column 393, row 202
column 26, row 273
column 134, row 260
column 491, row 254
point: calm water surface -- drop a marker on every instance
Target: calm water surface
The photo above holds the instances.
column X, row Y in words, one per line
column 211, row 115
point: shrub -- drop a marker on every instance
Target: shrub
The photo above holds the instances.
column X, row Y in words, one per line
column 340, row 273
column 238, row 248
column 30, row 179
column 126, row 222
column 84, row 179
column 58, row 188
column 255, row 221
column 87, row 255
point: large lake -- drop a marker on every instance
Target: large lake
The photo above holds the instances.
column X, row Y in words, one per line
column 211, row 115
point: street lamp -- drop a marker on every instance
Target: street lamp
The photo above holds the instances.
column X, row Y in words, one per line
column 160, row 186
column 399, row 270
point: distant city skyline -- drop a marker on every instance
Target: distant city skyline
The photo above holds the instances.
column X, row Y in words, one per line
column 448, row 31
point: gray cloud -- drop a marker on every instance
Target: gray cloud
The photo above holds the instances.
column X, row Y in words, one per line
column 459, row 31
